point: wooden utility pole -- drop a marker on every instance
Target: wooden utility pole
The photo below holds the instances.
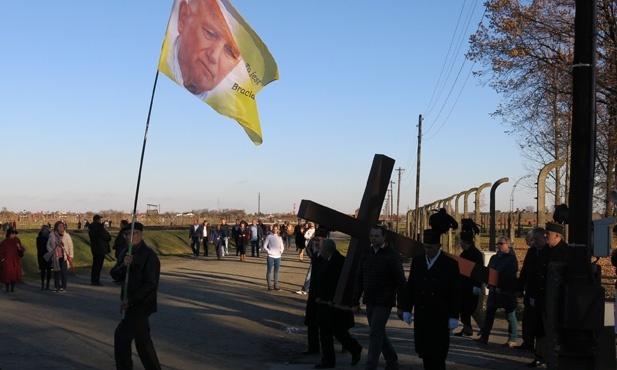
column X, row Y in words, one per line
column 391, row 203
column 398, row 198
column 417, row 220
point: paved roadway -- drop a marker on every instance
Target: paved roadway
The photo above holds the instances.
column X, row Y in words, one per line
column 212, row 315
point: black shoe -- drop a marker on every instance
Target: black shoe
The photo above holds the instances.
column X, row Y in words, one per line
column 481, row 340
column 96, row 284
column 463, row 333
column 309, row 352
column 536, row 363
column 355, row 358
column 323, row 366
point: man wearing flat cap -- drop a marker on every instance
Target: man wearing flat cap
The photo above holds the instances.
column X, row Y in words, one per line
column 140, row 302
column 433, row 294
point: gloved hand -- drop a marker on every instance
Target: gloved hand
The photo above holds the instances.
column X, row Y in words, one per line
column 452, row 324
column 407, row 317
column 532, row 302
column 476, row 290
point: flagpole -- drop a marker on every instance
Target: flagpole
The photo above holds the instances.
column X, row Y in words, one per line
column 141, row 164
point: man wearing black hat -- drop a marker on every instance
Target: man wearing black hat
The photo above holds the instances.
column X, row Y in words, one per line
column 433, row 292
column 555, row 250
column 99, row 246
column 140, row 302
column 380, row 282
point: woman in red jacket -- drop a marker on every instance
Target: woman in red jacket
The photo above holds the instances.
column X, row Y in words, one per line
column 11, row 251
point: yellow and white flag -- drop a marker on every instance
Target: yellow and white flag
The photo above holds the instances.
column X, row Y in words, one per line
column 214, row 53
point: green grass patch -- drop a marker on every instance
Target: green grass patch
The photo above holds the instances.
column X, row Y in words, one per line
column 164, row 242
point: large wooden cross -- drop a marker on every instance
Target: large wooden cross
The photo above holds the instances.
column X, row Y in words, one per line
column 359, row 228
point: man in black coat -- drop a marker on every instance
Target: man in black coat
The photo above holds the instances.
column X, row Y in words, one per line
column 333, row 321
column 311, row 312
column 433, row 293
column 470, row 288
column 196, row 234
column 99, row 246
column 527, row 286
column 555, row 250
column 140, row 302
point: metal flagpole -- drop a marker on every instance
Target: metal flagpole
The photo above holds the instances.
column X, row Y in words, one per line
column 141, row 164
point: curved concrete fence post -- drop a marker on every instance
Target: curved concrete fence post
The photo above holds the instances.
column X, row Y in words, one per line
column 541, row 219
column 492, row 231
column 466, row 202
column 477, row 205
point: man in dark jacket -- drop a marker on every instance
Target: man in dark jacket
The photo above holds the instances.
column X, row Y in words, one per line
column 555, row 250
column 310, row 315
column 527, row 286
column 196, row 234
column 380, row 282
column 99, row 246
column 140, row 302
column 333, row 322
column 470, row 288
column 433, row 293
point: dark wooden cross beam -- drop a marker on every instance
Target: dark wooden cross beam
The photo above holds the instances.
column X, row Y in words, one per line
column 359, row 228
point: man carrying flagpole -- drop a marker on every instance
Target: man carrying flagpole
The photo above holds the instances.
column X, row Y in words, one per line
column 139, row 302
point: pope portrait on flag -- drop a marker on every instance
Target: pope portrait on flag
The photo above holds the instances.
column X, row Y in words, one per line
column 210, row 50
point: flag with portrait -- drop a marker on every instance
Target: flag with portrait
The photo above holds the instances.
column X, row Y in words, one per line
column 211, row 51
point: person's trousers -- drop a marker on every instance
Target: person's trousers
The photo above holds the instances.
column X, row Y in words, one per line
column 60, row 277
column 432, row 363
column 313, row 338
column 195, row 246
column 276, row 263
column 490, row 318
column 135, row 325
column 529, row 323
column 97, row 266
column 326, row 334
column 205, row 247
column 225, row 246
column 255, row 247
column 378, row 339
column 219, row 248
column 307, row 279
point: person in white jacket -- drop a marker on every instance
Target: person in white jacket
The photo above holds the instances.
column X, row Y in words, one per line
column 274, row 247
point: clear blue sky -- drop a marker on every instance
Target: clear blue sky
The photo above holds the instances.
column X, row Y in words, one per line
column 77, row 78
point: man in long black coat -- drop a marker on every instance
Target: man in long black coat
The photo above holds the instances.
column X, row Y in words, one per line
column 470, row 288
column 527, row 285
column 310, row 315
column 99, row 246
column 433, row 294
column 333, row 322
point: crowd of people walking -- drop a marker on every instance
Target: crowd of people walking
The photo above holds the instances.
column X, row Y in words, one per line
column 433, row 297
